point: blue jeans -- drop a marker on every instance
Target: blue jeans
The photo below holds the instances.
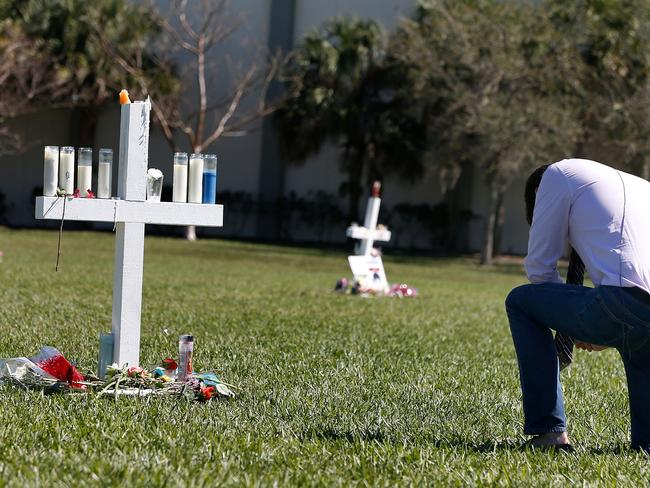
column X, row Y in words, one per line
column 605, row 315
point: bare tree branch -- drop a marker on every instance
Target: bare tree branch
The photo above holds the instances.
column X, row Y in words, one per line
column 234, row 103
column 164, row 23
column 196, row 27
column 182, row 9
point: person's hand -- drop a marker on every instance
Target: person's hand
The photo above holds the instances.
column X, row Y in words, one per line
column 589, row 347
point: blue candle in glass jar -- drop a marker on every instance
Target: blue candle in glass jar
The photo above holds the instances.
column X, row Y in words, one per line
column 210, row 178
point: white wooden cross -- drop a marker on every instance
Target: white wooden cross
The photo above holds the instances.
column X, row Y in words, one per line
column 369, row 232
column 130, row 212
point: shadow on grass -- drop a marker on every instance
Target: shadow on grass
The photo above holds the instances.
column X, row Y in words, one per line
column 380, row 437
column 348, row 436
column 615, row 449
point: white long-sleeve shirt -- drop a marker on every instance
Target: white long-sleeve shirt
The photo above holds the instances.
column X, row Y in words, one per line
column 603, row 213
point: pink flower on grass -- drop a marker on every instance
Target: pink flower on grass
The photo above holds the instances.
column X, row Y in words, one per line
column 135, row 372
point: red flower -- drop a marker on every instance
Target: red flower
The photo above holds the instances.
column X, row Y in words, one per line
column 169, row 363
column 207, row 393
column 76, row 193
column 89, row 194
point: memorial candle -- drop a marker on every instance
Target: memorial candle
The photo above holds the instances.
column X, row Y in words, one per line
column 180, row 177
column 185, row 353
column 154, row 184
column 210, row 178
column 66, row 169
column 84, row 170
column 50, row 171
column 195, row 183
column 105, row 174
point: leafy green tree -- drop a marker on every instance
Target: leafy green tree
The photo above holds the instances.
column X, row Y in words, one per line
column 630, row 130
column 610, row 39
column 494, row 83
column 52, row 56
column 340, row 89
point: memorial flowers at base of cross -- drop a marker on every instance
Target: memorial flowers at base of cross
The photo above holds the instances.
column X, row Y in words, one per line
column 137, row 381
column 402, row 290
column 51, row 372
column 356, row 287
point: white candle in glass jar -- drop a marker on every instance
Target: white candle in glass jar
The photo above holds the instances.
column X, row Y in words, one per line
column 84, row 171
column 105, row 173
column 180, row 177
column 66, row 169
column 195, row 183
column 50, row 170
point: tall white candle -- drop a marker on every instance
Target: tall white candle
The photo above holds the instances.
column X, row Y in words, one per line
column 50, row 170
column 180, row 177
column 105, row 174
column 66, row 169
column 195, row 184
column 84, row 170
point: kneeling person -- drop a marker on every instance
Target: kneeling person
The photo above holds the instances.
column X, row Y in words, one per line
column 604, row 214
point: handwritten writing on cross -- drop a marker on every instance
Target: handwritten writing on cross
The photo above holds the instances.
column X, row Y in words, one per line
column 130, row 212
column 369, row 233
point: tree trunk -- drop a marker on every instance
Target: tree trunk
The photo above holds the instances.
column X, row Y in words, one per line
column 490, row 223
column 498, row 226
column 190, row 233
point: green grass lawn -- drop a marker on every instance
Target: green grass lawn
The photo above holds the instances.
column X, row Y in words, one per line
column 334, row 390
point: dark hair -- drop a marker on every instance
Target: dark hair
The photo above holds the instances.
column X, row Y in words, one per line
column 532, row 183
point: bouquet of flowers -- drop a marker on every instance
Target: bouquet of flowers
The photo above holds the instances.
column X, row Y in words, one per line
column 50, row 372
column 161, row 381
column 355, row 287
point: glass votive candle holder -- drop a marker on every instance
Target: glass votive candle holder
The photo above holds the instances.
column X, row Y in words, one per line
column 84, row 170
column 154, row 185
column 105, row 173
column 210, row 178
column 180, row 177
column 51, row 171
column 66, row 169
